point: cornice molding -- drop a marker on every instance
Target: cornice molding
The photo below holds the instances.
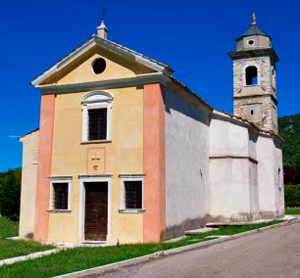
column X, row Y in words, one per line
column 234, row 157
column 140, row 79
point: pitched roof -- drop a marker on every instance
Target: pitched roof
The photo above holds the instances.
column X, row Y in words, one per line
column 117, row 48
column 35, row 130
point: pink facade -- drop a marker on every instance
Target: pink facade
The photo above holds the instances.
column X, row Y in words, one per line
column 44, row 167
column 154, row 164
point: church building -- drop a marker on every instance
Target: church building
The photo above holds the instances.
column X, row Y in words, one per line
column 127, row 153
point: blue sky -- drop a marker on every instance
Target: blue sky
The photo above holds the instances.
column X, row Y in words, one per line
column 192, row 36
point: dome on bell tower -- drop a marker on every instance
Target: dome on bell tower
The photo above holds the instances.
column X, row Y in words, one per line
column 253, row 38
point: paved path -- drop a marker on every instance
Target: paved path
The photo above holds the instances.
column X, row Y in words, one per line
column 273, row 253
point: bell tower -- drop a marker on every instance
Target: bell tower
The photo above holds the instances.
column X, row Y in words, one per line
column 254, row 78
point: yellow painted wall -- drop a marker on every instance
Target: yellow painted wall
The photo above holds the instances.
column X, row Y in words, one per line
column 124, row 155
column 28, row 186
column 80, row 70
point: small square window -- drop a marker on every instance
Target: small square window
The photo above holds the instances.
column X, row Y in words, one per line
column 97, row 124
column 60, row 195
column 133, row 194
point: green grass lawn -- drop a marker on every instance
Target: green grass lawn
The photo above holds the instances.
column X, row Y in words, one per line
column 11, row 248
column 292, row 211
column 81, row 258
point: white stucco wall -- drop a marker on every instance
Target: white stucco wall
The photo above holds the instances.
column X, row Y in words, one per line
column 229, row 188
column 280, row 182
column 270, row 177
column 227, row 138
column 187, row 163
column 28, row 186
column 233, row 170
column 266, row 178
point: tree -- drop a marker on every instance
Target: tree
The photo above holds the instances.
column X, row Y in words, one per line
column 10, row 192
column 289, row 129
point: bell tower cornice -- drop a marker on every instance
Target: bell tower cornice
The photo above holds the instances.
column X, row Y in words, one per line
column 254, row 53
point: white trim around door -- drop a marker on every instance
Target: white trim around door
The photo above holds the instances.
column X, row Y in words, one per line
column 81, row 217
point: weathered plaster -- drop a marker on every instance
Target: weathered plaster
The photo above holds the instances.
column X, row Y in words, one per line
column 154, row 163
column 233, row 171
column 44, row 167
column 124, row 154
column 187, row 163
column 28, row 187
column 270, row 177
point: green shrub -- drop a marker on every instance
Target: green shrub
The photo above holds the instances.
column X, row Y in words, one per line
column 10, row 187
column 292, row 196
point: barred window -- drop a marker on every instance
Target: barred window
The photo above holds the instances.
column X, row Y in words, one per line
column 133, row 194
column 97, row 124
column 60, row 195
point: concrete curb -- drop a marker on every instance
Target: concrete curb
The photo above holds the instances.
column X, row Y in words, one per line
column 28, row 257
column 174, row 251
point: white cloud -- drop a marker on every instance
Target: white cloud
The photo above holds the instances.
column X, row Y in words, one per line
column 13, row 136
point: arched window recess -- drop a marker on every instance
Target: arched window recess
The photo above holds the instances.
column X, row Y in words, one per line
column 251, row 75
column 96, row 117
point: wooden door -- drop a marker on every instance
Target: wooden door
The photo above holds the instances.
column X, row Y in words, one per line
column 95, row 225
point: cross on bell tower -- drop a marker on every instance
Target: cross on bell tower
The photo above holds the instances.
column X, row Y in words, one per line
column 254, row 78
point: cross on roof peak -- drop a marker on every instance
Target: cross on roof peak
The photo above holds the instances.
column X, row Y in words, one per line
column 102, row 30
column 103, row 11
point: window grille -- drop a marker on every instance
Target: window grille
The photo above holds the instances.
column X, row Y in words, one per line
column 133, row 194
column 60, row 195
column 97, row 124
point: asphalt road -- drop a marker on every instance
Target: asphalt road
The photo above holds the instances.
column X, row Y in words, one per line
column 269, row 254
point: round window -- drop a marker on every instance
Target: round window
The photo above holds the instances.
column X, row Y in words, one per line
column 99, row 66
column 251, row 42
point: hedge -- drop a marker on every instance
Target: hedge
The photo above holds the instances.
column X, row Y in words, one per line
column 292, row 196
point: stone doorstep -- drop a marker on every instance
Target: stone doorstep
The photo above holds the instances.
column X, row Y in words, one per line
column 289, row 217
column 222, row 224
column 175, row 239
column 261, row 221
column 200, row 231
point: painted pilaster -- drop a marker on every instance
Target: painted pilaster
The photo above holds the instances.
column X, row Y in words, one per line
column 154, row 164
column 44, row 167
